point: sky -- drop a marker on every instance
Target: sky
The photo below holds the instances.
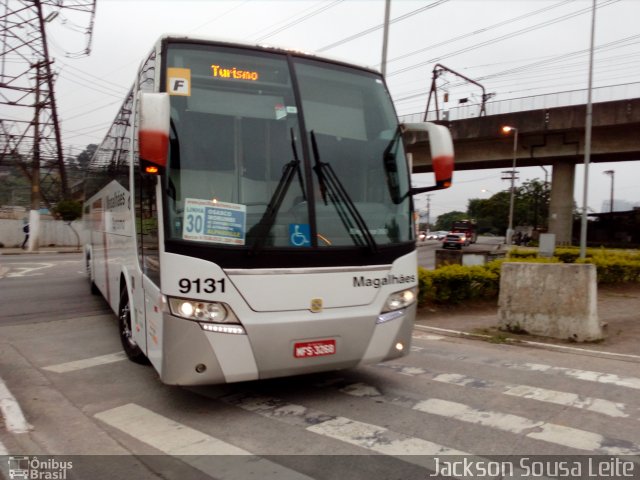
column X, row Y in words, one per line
column 514, row 48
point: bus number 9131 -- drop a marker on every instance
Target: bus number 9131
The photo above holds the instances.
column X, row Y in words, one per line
column 204, row 285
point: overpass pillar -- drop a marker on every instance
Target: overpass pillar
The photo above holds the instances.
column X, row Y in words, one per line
column 561, row 202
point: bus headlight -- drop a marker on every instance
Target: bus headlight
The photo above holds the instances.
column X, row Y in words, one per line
column 393, row 307
column 399, row 300
column 197, row 310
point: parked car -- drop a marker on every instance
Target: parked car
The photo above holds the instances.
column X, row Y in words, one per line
column 437, row 235
column 422, row 236
column 455, row 240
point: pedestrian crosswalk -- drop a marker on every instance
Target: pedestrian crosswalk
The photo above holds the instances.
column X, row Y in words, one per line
column 455, row 399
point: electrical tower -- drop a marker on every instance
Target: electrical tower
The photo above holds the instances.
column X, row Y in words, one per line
column 438, row 71
column 29, row 123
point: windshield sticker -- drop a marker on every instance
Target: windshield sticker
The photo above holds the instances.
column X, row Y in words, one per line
column 281, row 112
column 179, row 81
column 215, row 222
column 299, row 235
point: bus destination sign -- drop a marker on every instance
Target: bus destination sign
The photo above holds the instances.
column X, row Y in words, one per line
column 213, row 221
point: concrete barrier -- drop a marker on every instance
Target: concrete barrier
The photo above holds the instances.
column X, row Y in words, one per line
column 467, row 258
column 550, row 300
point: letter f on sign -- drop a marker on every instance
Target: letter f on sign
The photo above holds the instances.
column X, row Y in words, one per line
column 179, row 81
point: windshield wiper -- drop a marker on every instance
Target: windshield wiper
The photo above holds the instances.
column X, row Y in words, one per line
column 263, row 227
column 331, row 187
column 389, row 159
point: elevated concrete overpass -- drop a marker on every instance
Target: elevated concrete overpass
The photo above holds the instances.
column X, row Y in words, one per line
column 552, row 136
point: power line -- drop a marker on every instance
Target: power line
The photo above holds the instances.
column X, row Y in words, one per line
column 606, row 66
column 558, row 58
column 502, row 38
column 482, row 30
column 226, row 12
column 378, row 27
column 300, row 20
column 281, row 22
column 551, row 60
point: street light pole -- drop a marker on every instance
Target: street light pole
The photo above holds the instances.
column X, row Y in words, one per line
column 507, row 129
column 611, row 173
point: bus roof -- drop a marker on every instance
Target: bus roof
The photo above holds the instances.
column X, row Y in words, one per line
column 262, row 46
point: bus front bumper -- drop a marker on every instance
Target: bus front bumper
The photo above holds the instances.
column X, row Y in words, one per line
column 193, row 356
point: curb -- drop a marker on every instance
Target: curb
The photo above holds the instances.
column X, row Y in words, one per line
column 528, row 343
column 38, row 252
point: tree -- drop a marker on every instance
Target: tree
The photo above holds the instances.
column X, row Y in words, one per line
column 492, row 214
column 531, row 208
column 533, row 204
column 85, row 156
column 68, row 210
column 445, row 221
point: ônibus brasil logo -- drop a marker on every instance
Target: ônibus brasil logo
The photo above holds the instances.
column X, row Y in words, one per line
column 25, row 467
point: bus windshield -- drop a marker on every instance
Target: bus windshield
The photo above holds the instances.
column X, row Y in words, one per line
column 270, row 150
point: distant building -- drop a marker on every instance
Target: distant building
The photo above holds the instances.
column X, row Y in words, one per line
column 618, row 205
column 616, row 229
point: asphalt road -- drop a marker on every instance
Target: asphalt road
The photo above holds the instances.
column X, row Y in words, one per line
column 86, row 404
column 44, row 287
column 427, row 249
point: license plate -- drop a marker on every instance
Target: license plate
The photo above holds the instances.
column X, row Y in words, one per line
column 319, row 348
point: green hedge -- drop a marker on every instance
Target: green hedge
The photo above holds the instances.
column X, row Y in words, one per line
column 455, row 284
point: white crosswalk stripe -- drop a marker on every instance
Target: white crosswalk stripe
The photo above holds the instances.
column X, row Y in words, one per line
column 86, row 363
column 539, row 430
column 573, row 373
column 567, row 399
column 585, row 375
column 14, row 419
column 548, row 432
column 364, row 435
column 208, row 454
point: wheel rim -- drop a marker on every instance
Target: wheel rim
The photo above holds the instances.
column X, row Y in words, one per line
column 125, row 324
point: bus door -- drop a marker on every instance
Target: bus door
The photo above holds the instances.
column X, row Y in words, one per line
column 148, row 331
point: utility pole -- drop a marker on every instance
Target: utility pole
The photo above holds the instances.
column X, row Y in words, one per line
column 587, row 139
column 35, row 162
column 385, row 37
column 611, row 173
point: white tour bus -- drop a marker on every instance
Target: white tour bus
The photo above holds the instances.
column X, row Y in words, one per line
column 250, row 214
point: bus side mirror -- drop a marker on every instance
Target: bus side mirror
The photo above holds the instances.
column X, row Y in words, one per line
column 441, row 146
column 153, row 132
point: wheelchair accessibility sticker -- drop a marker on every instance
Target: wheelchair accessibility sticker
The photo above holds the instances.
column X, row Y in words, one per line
column 299, row 235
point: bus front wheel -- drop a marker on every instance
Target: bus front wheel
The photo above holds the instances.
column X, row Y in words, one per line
column 126, row 334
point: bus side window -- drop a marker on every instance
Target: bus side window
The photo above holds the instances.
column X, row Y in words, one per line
column 145, row 194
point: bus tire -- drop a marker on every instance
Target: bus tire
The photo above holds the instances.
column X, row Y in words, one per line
column 126, row 336
column 94, row 288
